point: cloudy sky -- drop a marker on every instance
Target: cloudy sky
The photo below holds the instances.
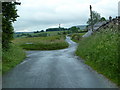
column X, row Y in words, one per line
column 43, row 14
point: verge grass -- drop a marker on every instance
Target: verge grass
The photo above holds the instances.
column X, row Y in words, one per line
column 100, row 51
column 42, row 43
column 12, row 57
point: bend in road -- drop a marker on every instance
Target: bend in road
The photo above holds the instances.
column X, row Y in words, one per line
column 54, row 69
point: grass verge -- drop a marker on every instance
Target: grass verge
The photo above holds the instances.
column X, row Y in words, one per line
column 12, row 57
column 76, row 37
column 42, row 43
column 100, row 51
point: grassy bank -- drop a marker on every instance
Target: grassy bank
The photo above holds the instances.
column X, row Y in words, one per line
column 100, row 51
column 12, row 57
column 42, row 43
column 76, row 37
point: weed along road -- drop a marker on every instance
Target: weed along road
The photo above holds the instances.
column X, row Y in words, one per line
column 54, row 69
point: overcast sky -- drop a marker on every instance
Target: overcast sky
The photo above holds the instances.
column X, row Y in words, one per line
column 43, row 14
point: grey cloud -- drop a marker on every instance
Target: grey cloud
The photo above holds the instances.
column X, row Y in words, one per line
column 44, row 13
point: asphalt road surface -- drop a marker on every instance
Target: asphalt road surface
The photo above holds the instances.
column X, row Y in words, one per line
column 54, row 69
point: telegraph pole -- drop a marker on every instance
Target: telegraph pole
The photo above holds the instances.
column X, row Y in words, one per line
column 59, row 27
column 91, row 16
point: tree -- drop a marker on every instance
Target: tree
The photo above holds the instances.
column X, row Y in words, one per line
column 36, row 31
column 9, row 15
column 74, row 29
column 42, row 31
column 96, row 18
column 102, row 19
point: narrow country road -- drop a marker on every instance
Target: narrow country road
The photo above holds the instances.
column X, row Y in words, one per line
column 54, row 69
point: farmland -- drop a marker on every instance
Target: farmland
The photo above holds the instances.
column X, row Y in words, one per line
column 42, row 43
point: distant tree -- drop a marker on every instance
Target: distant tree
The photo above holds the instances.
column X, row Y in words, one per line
column 29, row 35
column 37, row 32
column 55, row 29
column 9, row 15
column 42, row 31
column 102, row 19
column 96, row 18
column 74, row 29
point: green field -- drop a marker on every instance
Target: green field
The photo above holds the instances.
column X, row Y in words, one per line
column 40, row 34
column 100, row 51
column 42, row 43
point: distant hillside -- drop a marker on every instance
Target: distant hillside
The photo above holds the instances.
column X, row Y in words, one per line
column 82, row 27
column 23, row 32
